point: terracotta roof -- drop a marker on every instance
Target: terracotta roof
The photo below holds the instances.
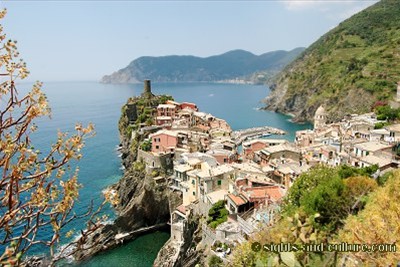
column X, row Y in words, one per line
column 238, row 200
column 274, row 192
column 181, row 209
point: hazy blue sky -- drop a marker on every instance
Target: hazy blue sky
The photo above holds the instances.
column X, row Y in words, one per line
column 83, row 40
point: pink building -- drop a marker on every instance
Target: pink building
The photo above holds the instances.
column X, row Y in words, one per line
column 164, row 141
column 164, row 120
column 189, row 105
column 252, row 147
column 166, row 110
column 223, row 156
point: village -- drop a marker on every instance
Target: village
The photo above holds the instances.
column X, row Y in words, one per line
column 208, row 163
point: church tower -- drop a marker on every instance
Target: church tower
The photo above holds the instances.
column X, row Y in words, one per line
column 319, row 118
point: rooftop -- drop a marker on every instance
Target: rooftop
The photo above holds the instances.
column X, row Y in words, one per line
column 265, row 141
column 164, row 118
column 221, row 170
column 247, row 167
column 371, row 146
column 380, row 161
column 166, row 106
column 166, row 132
column 224, row 152
column 181, row 209
column 238, row 200
column 280, row 148
column 182, row 167
column 215, row 196
column 380, row 131
column 393, row 128
column 274, row 192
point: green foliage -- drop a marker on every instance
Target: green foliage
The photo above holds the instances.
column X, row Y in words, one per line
column 378, row 223
column 307, row 182
column 318, row 203
column 348, row 68
column 328, row 200
column 230, row 65
column 322, row 190
column 380, row 125
column 149, row 121
column 346, row 171
column 387, row 113
column 146, row 145
column 217, row 214
column 215, row 261
column 138, row 166
column 165, row 98
column 155, row 173
column 383, row 178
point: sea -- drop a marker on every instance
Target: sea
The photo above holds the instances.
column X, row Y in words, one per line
column 100, row 104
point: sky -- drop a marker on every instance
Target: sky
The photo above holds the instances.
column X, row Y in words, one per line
column 84, row 40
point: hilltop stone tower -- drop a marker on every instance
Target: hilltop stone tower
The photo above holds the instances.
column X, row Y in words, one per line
column 319, row 118
column 398, row 92
column 147, row 89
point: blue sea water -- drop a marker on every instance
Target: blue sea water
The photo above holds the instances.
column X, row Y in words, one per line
column 100, row 104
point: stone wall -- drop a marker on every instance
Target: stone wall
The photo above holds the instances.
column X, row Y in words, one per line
column 156, row 161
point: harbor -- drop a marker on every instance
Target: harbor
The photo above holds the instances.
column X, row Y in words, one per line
column 242, row 135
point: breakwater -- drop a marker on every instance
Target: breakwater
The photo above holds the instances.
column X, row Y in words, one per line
column 242, row 135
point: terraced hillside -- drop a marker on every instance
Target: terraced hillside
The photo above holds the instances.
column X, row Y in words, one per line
column 347, row 70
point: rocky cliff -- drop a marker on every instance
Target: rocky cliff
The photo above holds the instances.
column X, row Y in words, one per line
column 347, row 70
column 185, row 254
column 142, row 202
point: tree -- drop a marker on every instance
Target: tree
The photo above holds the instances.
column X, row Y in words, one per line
column 377, row 223
column 307, row 182
column 37, row 190
column 217, row 214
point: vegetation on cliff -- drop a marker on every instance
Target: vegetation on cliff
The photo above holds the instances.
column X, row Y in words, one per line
column 139, row 201
column 331, row 205
column 231, row 65
column 347, row 70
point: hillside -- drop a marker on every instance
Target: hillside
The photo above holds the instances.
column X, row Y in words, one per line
column 347, row 70
column 237, row 64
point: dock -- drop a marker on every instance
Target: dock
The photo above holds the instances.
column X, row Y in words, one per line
column 242, row 135
column 120, row 237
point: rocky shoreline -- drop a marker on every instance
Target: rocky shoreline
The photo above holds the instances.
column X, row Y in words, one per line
column 143, row 204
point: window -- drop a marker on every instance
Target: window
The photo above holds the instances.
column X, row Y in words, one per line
column 194, row 193
column 232, row 208
column 193, row 181
column 157, row 147
column 219, row 182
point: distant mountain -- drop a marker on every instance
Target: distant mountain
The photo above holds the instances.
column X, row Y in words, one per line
column 236, row 64
column 347, row 70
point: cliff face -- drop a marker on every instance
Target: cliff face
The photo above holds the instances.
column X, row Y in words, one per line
column 347, row 70
column 142, row 201
column 185, row 254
